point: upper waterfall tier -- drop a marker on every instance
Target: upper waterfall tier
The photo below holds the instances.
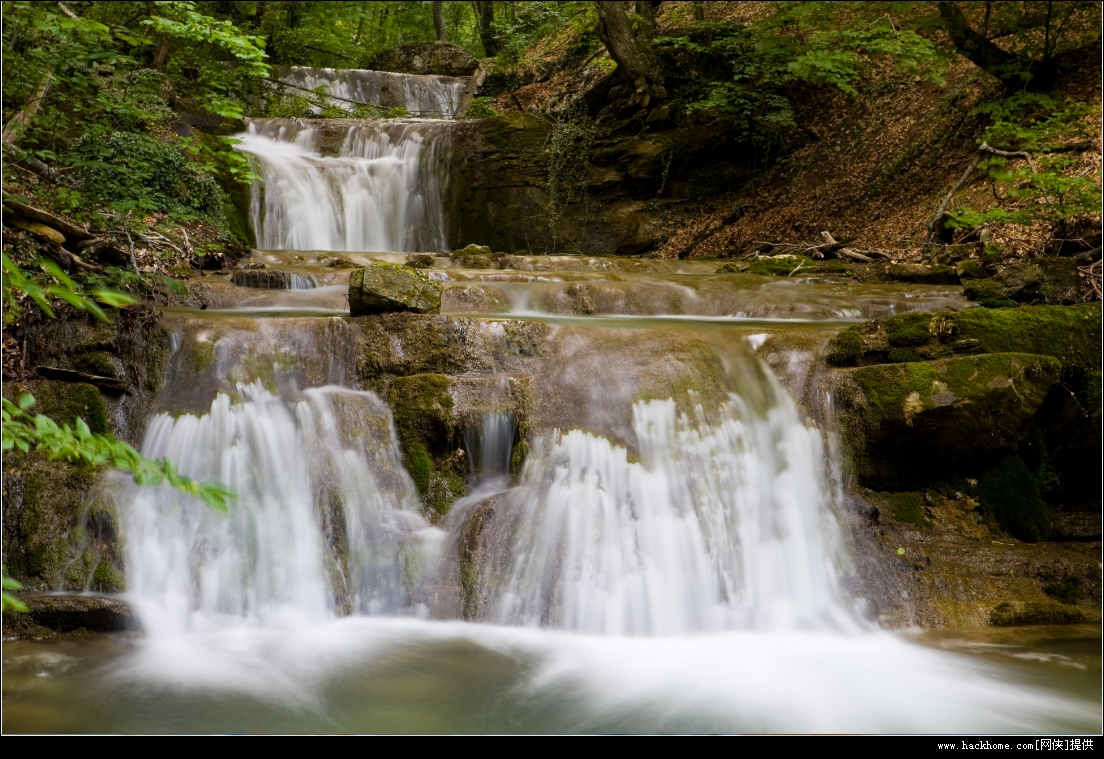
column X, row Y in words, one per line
column 348, row 185
column 426, row 96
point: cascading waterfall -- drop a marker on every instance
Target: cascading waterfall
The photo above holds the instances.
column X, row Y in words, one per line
column 721, row 524
column 427, row 96
column 380, row 192
column 325, row 519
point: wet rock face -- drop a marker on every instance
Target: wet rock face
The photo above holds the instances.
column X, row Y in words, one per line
column 47, row 616
column 437, row 58
column 384, row 287
column 1050, row 281
column 272, row 279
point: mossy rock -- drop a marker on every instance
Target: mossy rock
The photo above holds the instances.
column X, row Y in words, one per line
column 1072, row 334
column 1036, row 613
column 65, row 402
column 383, row 287
column 1052, row 281
column 423, row 411
column 781, row 266
column 99, row 363
column 921, row 274
column 905, row 507
column 1010, row 493
column 907, row 423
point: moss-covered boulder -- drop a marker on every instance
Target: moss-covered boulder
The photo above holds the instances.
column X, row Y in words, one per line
column 1072, row 334
column 911, row 422
column 1052, row 281
column 383, row 287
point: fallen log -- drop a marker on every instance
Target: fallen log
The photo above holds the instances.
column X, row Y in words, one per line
column 70, row 229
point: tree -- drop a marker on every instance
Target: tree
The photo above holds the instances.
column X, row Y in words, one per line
column 484, row 11
column 630, row 45
column 439, row 21
column 1034, row 60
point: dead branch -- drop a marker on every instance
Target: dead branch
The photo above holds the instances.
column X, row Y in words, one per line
column 985, row 148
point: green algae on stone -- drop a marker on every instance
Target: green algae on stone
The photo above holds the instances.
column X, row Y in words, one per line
column 1010, row 493
column 65, row 402
column 382, row 287
column 905, row 507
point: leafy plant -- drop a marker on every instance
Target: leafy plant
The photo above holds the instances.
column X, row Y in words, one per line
column 568, row 165
column 480, row 108
column 25, row 433
column 18, row 283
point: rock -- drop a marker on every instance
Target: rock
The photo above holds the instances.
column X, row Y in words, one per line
column 48, row 615
column 474, row 299
column 922, row 274
column 272, row 279
column 384, row 287
column 1035, row 613
column 1072, row 334
column 1052, row 281
column 472, row 250
column 437, row 58
column 969, row 270
column 420, row 261
column 1075, row 526
column 912, row 422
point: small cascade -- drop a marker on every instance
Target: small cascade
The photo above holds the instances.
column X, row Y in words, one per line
column 325, row 520
column 722, row 524
column 489, row 447
column 268, row 279
column 425, row 96
column 380, row 192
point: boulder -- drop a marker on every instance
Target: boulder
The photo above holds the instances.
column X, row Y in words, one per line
column 438, row 58
column 1052, row 281
column 48, row 615
column 911, row 422
column 384, row 287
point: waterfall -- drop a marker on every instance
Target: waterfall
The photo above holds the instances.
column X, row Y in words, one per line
column 427, row 96
column 721, row 524
column 325, row 520
column 381, row 191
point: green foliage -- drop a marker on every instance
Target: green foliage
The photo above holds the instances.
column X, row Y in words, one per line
column 1037, row 124
column 568, row 165
column 18, row 283
column 1011, row 495
column 79, row 444
column 126, row 171
column 10, row 602
column 480, row 108
column 764, row 62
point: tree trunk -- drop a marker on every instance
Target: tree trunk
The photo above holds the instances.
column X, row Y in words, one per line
column 647, row 11
column 632, row 52
column 699, row 11
column 439, row 21
column 485, row 13
column 1015, row 72
column 20, row 121
column 160, row 56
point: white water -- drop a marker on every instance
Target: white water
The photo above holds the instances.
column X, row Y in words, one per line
column 325, row 516
column 427, row 96
column 720, row 525
column 381, row 192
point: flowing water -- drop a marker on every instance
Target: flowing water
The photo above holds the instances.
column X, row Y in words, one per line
column 669, row 556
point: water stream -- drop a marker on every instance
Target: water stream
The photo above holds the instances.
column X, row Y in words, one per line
column 667, row 561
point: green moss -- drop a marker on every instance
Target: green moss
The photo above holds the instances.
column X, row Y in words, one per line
column 1044, row 613
column 444, row 488
column 518, row 455
column 1069, row 333
column 987, row 293
column 904, row 355
column 905, row 507
column 1065, row 590
column 1011, row 495
column 908, row 330
column 64, row 402
column 845, row 348
column 781, row 267
column 99, row 363
column 423, row 410
column 108, row 579
column 417, row 462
